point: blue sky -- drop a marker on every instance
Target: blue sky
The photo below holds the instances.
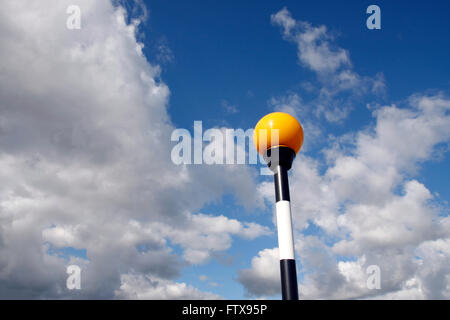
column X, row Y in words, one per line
column 86, row 117
column 240, row 51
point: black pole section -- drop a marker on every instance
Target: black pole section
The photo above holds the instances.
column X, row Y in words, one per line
column 289, row 287
column 281, row 184
column 279, row 160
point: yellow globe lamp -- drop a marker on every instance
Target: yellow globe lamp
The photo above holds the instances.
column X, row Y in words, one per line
column 289, row 130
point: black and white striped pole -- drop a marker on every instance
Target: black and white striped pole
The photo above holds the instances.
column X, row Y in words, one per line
column 279, row 137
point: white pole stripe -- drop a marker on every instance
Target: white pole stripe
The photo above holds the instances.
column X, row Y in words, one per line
column 284, row 226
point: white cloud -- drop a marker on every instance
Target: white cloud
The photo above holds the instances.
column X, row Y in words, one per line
column 314, row 48
column 317, row 51
column 263, row 277
column 434, row 271
column 202, row 235
column 85, row 159
column 410, row 291
column 141, row 287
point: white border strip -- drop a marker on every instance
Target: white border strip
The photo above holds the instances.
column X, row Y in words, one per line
column 284, row 225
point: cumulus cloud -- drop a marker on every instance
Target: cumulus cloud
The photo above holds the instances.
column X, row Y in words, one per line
column 263, row 277
column 314, row 49
column 85, row 161
column 202, row 235
column 140, row 287
column 340, row 85
column 368, row 209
